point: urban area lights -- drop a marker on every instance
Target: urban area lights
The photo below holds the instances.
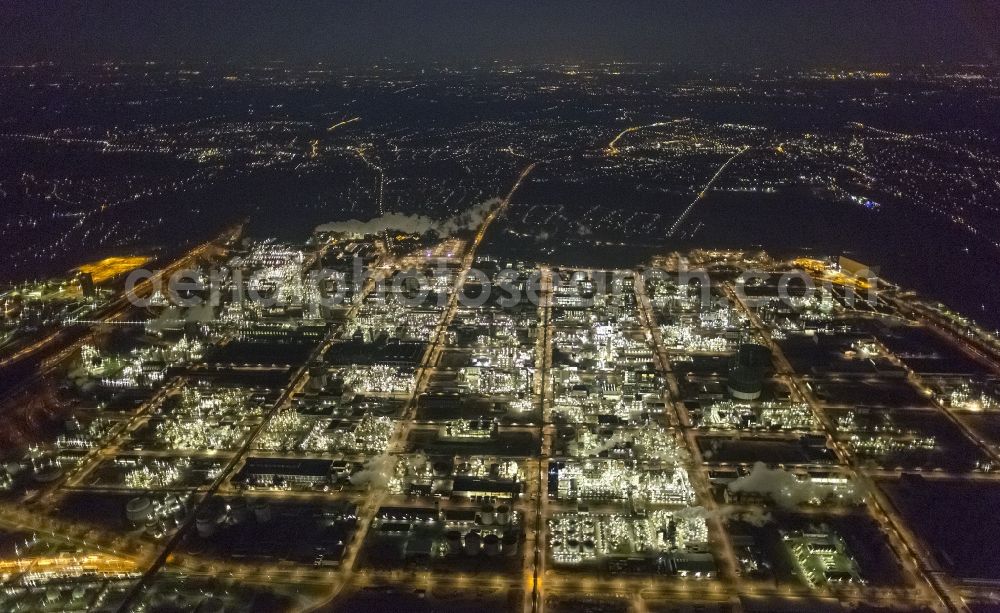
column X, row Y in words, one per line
column 603, row 442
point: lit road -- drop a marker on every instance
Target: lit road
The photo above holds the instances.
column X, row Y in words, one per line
column 342, row 123
column 533, row 556
column 704, row 191
column 612, row 148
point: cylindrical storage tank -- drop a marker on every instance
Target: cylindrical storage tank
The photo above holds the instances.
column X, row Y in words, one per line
column 441, row 469
column 509, row 543
column 491, row 545
column 588, row 546
column 261, row 511
column 454, row 539
column 573, row 545
column 442, row 485
column 162, row 600
column 205, row 523
column 317, row 378
column 503, row 515
column 239, row 512
column 211, row 605
column 139, row 509
column 752, row 355
column 173, row 504
column 48, row 473
column 487, row 515
column 473, row 543
column 745, row 383
column 209, row 516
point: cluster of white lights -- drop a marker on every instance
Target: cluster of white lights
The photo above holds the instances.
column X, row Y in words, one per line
column 495, row 381
column 882, row 445
column 216, row 403
column 142, row 367
column 370, row 436
column 690, row 338
column 650, row 442
column 198, row 434
column 963, row 397
column 378, row 379
column 396, row 320
column 726, row 415
column 821, row 557
column 86, row 438
column 157, row 473
column 284, row 431
column 619, row 480
column 579, row 537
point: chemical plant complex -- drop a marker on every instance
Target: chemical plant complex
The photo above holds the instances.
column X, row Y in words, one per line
column 435, row 427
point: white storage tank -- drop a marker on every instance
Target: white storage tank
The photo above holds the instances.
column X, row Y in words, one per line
column 139, row 509
column 503, row 515
column 209, row 516
column 487, row 515
column 205, row 524
column 48, row 473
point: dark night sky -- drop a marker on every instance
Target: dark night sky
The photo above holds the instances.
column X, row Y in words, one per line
column 790, row 32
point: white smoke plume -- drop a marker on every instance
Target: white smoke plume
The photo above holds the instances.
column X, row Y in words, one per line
column 786, row 489
column 417, row 462
column 754, row 516
column 607, row 445
column 469, row 219
column 694, row 512
column 377, row 472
